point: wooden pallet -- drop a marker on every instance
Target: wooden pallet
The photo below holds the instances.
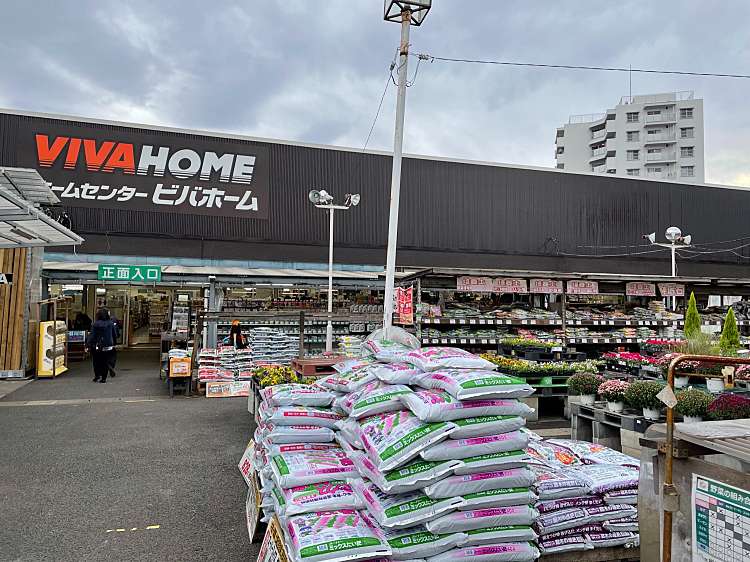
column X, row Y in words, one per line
column 318, row 367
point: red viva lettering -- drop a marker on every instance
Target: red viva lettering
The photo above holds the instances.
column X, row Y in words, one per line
column 106, row 157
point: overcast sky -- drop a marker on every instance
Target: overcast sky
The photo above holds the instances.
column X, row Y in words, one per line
column 314, row 70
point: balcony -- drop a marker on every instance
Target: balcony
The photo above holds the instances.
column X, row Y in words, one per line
column 660, row 137
column 600, row 152
column 660, row 175
column 600, row 134
column 663, row 156
column 663, row 117
column 599, row 169
column 658, row 99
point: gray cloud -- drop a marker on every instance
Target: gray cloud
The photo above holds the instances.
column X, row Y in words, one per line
column 313, row 70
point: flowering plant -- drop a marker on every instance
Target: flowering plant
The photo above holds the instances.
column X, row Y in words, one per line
column 270, row 375
column 742, row 373
column 516, row 366
column 613, row 390
column 584, row 383
column 642, row 394
column 729, row 407
column 630, row 358
column 693, row 402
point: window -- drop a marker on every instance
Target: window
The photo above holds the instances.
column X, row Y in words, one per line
column 634, row 136
column 633, row 154
column 687, row 152
column 561, row 166
column 687, row 132
column 561, row 150
column 654, row 151
column 686, row 113
column 654, row 131
column 687, row 171
column 657, row 112
column 634, row 171
column 654, row 171
column 560, row 133
column 611, row 171
column 632, row 117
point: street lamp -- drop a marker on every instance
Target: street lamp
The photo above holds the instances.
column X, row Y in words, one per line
column 406, row 12
column 324, row 200
column 676, row 240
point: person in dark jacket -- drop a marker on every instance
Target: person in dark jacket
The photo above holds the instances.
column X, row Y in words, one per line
column 101, row 344
column 236, row 338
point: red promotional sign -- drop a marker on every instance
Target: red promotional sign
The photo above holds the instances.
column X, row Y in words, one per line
column 546, row 286
column 468, row 284
column 671, row 290
column 509, row 285
column 640, row 289
column 581, row 287
column 405, row 305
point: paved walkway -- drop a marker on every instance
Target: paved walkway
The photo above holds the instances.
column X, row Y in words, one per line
column 119, row 471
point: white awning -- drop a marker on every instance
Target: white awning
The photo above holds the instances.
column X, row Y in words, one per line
column 22, row 224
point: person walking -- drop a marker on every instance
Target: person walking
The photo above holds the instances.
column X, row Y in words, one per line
column 101, row 344
column 236, row 339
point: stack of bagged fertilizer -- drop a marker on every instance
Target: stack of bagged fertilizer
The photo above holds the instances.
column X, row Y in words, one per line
column 435, row 435
column 350, row 346
column 269, row 345
column 587, row 496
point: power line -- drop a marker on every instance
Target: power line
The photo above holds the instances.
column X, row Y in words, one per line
column 611, row 255
column 380, row 105
column 431, row 58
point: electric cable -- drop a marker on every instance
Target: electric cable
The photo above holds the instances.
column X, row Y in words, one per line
column 382, row 97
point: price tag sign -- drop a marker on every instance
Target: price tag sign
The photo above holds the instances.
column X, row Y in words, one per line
column 468, row 284
column 583, row 287
column 671, row 290
column 509, row 285
column 640, row 289
column 546, row 286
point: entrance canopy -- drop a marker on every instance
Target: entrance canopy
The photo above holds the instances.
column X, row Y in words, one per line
column 22, row 223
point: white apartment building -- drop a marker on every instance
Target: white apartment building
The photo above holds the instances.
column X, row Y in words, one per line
column 657, row 136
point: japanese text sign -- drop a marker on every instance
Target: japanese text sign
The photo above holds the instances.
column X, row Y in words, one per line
column 468, row 283
column 546, row 286
column 581, row 287
column 90, row 165
column 137, row 273
column 405, row 305
column 640, row 289
column 671, row 290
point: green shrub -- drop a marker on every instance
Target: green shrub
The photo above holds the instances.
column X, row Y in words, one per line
column 693, row 402
column 584, row 383
column 642, row 394
column 692, row 318
column 730, row 337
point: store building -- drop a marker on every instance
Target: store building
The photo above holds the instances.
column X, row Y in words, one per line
column 232, row 210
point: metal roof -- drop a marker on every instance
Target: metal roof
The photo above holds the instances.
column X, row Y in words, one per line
column 731, row 437
column 22, row 224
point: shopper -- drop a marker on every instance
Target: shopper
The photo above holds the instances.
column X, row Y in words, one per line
column 113, row 357
column 82, row 322
column 101, row 344
column 236, row 338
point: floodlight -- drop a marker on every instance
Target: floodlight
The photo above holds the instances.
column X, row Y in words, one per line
column 673, row 233
column 418, row 8
column 314, row 196
column 687, row 239
column 650, row 237
column 351, row 199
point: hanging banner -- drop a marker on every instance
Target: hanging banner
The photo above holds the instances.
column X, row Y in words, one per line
column 468, row 284
column 581, row 287
column 405, row 305
column 509, row 285
column 671, row 290
column 546, row 286
column 640, row 289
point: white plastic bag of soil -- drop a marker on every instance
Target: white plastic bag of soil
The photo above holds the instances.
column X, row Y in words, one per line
column 286, row 434
column 296, row 395
column 311, row 467
column 493, row 461
column 348, row 434
column 472, row 384
column 434, row 358
column 593, row 453
column 628, row 496
column 500, row 497
column 335, row 536
column 552, row 484
column 302, row 415
column 624, row 524
column 418, row 542
column 502, row 552
column 350, row 365
column 500, row 534
column 602, row 478
column 461, row 521
column 565, row 544
column 348, row 381
column 465, row 448
column 387, row 398
column 400, row 511
column 407, row 478
column 604, row 540
column 560, row 520
column 473, row 483
column 394, row 438
column 323, row 496
column 396, row 373
column 438, row 405
column 490, row 425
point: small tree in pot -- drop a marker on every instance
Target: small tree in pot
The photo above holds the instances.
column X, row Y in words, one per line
column 692, row 318
column 642, row 394
column 730, row 337
column 585, row 386
column 692, row 404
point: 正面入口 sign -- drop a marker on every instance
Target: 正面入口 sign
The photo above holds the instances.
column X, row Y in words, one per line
column 99, row 166
column 137, row 273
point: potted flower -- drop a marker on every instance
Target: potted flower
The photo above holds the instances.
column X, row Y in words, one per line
column 692, row 404
column 585, row 386
column 642, row 394
column 613, row 391
column 729, row 407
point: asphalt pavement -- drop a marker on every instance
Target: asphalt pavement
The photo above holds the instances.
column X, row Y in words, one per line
column 119, row 471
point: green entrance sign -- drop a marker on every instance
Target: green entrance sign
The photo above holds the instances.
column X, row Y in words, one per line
column 137, row 273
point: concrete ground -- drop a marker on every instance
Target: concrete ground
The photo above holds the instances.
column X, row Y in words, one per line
column 86, row 469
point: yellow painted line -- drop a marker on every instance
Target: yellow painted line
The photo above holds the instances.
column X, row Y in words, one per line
column 134, row 529
column 120, row 530
column 144, row 400
column 110, row 530
column 150, row 527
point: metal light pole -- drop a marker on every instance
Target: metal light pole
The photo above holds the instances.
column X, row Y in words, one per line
column 407, row 13
column 323, row 200
column 676, row 240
